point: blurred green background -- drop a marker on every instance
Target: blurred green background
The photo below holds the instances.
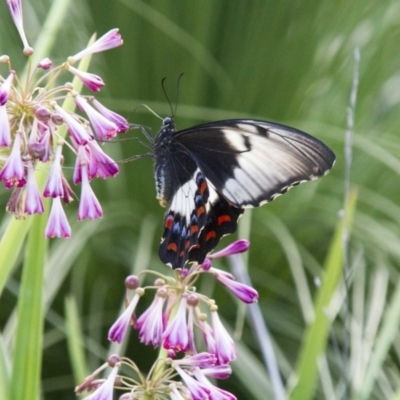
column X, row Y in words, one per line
column 288, row 62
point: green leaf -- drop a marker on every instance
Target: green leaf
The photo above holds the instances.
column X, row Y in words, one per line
column 75, row 340
column 316, row 335
column 27, row 357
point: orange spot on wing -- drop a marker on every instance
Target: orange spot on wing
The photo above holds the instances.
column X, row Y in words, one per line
column 203, row 187
column 211, row 235
column 172, row 246
column 224, row 218
column 200, row 211
column 194, row 229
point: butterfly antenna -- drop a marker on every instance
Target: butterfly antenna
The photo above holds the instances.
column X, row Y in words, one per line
column 166, row 96
column 177, row 93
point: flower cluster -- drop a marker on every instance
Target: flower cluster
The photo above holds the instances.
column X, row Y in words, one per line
column 171, row 322
column 32, row 119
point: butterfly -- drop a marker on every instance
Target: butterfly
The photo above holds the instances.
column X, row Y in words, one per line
column 208, row 174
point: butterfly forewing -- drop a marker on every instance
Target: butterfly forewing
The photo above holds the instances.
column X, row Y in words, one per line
column 250, row 162
column 207, row 174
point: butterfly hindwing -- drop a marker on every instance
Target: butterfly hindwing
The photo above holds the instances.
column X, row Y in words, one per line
column 222, row 220
column 185, row 218
column 208, row 174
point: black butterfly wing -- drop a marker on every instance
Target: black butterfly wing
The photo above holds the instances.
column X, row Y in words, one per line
column 222, row 218
column 183, row 188
column 250, row 162
column 207, row 175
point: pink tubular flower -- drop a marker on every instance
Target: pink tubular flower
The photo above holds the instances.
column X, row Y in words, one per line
column 108, row 41
column 100, row 164
column 105, row 391
column 215, row 392
column 104, row 128
column 13, row 171
column 201, row 360
column 5, row 88
column 176, row 334
column 77, row 131
column 89, row 206
column 91, row 81
column 151, row 323
column 120, row 121
column 197, row 390
column 33, row 201
column 239, row 246
column 207, row 333
column 120, row 326
column 5, row 135
column 16, row 13
column 54, row 187
column 224, row 345
column 243, row 292
column 57, row 224
column 218, row 371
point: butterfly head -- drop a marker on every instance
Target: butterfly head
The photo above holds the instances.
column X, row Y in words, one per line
column 168, row 123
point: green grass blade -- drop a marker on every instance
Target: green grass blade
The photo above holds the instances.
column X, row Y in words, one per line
column 316, row 335
column 383, row 344
column 75, row 340
column 4, row 369
column 27, row 357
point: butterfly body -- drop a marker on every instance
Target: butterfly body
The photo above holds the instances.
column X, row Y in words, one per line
column 206, row 175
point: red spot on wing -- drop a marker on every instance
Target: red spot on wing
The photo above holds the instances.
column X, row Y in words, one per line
column 203, row 187
column 211, row 235
column 169, row 221
column 194, row 229
column 224, row 218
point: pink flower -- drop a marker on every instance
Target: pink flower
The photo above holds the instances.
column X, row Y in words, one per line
column 118, row 330
column 207, row 333
column 100, row 164
column 46, row 63
column 197, row 390
column 218, row 371
column 5, row 88
column 54, row 187
column 151, row 323
column 77, row 131
column 108, row 41
column 91, row 81
column 224, row 345
column 16, row 13
column 57, row 224
column 89, row 206
column 5, row 135
column 120, row 121
column 33, row 201
column 201, row 360
column 215, row 392
column 243, row 292
column 105, row 391
column 176, row 334
column 13, row 171
column 104, row 128
column 239, row 246
column 41, row 147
